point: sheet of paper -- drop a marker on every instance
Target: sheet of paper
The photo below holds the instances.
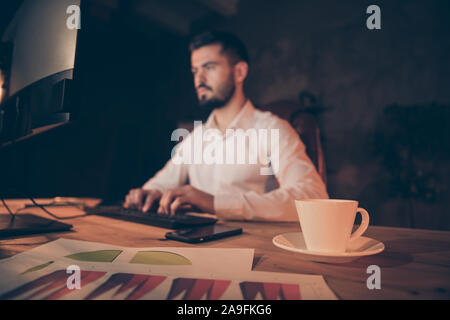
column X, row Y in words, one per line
column 130, row 282
column 114, row 272
column 153, row 259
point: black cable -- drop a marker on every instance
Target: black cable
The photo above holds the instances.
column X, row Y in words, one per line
column 13, row 214
column 51, row 214
column 7, row 208
column 14, row 142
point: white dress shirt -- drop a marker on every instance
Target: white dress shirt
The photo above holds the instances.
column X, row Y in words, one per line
column 241, row 191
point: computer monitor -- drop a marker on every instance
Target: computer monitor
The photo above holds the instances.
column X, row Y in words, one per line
column 42, row 51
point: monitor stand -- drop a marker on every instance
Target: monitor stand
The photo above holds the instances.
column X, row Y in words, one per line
column 24, row 224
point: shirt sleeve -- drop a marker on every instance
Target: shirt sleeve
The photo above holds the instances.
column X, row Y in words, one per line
column 297, row 177
column 174, row 174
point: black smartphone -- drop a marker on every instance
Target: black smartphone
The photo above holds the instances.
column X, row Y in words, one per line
column 203, row 234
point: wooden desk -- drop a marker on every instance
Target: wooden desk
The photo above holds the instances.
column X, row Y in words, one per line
column 414, row 265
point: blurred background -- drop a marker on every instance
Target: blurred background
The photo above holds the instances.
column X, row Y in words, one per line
column 381, row 97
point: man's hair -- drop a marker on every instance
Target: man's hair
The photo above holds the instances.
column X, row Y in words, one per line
column 231, row 44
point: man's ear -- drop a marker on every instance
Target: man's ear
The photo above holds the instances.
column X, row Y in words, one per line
column 240, row 71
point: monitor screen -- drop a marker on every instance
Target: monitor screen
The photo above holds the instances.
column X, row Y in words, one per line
column 43, row 45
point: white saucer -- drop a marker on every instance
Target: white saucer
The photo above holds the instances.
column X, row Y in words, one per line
column 360, row 247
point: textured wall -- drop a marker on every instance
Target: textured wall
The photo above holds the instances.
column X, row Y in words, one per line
column 325, row 48
column 322, row 47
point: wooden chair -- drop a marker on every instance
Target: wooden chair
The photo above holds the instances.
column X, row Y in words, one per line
column 306, row 126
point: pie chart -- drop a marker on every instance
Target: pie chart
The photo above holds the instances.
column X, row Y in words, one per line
column 96, row 256
column 160, row 258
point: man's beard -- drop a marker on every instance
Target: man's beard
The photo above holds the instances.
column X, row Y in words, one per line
column 225, row 93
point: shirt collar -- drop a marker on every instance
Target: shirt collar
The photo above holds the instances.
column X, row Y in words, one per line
column 239, row 120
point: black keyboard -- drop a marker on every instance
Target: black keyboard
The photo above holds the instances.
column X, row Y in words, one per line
column 178, row 221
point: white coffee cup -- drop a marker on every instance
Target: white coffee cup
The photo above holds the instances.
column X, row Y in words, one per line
column 327, row 223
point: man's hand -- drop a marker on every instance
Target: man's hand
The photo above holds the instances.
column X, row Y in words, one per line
column 173, row 199
column 141, row 199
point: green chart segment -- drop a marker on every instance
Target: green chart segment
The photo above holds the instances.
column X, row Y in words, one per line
column 37, row 268
column 96, row 256
column 160, row 258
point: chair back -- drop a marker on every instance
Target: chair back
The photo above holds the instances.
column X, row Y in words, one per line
column 307, row 128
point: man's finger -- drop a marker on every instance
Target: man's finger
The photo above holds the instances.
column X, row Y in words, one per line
column 126, row 203
column 166, row 199
column 187, row 206
column 151, row 197
column 140, row 199
column 176, row 193
column 132, row 198
column 162, row 200
column 177, row 203
column 148, row 203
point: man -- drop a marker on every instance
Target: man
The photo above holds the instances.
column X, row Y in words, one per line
column 219, row 64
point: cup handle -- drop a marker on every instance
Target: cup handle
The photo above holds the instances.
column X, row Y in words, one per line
column 363, row 226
